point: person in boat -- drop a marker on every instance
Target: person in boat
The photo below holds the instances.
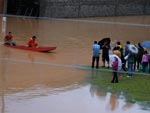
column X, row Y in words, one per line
column 8, row 40
column 32, row 42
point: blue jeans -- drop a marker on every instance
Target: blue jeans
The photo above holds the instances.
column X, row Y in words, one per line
column 130, row 68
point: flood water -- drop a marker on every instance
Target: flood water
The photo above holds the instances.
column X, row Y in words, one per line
column 56, row 82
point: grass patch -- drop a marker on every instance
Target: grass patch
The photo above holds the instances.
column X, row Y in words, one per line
column 135, row 88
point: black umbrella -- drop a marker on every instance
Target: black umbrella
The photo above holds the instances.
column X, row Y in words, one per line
column 104, row 41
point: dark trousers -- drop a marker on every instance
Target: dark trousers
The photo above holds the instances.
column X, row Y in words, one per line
column 145, row 66
column 123, row 63
column 97, row 61
column 115, row 76
column 124, row 66
column 149, row 67
column 137, row 64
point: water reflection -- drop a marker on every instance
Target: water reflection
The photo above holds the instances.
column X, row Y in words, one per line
column 65, row 100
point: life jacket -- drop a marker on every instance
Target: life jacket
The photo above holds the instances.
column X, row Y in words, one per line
column 32, row 43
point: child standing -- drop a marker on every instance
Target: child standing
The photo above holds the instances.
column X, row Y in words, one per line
column 115, row 68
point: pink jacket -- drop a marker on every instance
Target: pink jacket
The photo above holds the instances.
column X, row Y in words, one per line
column 115, row 65
column 145, row 58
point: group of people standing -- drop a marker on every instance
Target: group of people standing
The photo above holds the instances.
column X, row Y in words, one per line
column 8, row 40
column 138, row 62
column 96, row 54
column 131, row 62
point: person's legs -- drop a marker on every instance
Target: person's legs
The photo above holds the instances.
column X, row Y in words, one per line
column 124, row 67
column 103, row 59
column 116, row 77
column 135, row 62
column 8, row 43
column 107, row 59
column 144, row 66
column 149, row 67
column 97, row 62
column 108, row 64
column 130, row 69
column 13, row 43
column 123, row 64
column 93, row 61
column 113, row 79
column 138, row 64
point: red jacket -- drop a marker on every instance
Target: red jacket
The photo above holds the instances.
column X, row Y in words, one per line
column 8, row 37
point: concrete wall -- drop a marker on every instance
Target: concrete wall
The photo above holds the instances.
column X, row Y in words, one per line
column 1, row 6
column 90, row 8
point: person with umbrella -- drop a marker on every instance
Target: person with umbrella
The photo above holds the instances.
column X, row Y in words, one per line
column 115, row 68
column 131, row 58
column 146, row 44
column 126, row 52
column 126, row 48
column 138, row 57
column 120, row 48
column 105, row 54
column 105, row 46
column 112, row 58
column 96, row 52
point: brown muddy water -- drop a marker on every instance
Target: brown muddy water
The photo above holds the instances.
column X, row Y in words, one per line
column 56, row 82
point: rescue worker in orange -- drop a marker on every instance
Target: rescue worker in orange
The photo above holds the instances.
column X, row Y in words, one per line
column 32, row 42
